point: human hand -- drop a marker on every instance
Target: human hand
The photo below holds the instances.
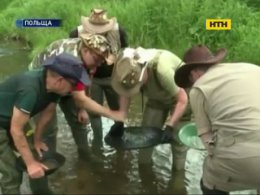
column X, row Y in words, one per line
column 117, row 115
column 83, row 116
column 36, row 169
column 117, row 129
column 39, row 147
column 207, row 141
column 167, row 135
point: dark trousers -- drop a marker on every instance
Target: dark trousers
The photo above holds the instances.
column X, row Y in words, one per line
column 207, row 191
column 11, row 177
column 101, row 89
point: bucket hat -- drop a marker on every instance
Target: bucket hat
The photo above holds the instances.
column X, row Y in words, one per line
column 127, row 76
column 98, row 22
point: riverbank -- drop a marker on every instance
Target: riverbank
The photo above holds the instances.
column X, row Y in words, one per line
column 172, row 24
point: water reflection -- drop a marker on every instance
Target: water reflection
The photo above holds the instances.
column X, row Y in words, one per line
column 13, row 58
column 119, row 172
column 116, row 175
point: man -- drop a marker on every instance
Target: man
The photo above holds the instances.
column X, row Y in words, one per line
column 99, row 23
column 21, row 97
column 93, row 50
column 151, row 72
column 225, row 101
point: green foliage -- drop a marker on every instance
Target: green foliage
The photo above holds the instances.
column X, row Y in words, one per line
column 4, row 4
column 255, row 4
column 168, row 24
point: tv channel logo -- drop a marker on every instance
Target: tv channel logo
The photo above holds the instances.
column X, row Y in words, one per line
column 218, row 24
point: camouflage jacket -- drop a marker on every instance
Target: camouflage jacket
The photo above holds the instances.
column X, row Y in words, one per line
column 63, row 45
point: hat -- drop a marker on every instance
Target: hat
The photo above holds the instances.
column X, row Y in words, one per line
column 52, row 160
column 98, row 44
column 197, row 55
column 98, row 22
column 127, row 76
column 68, row 66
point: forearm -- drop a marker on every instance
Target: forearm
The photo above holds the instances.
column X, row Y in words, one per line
column 19, row 119
column 177, row 113
column 92, row 106
column 41, row 124
column 85, row 102
column 124, row 105
column 22, row 145
column 179, row 108
column 45, row 117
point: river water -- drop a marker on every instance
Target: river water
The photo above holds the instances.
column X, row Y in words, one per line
column 118, row 174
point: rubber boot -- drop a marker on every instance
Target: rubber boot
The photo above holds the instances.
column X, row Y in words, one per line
column 40, row 186
column 148, row 178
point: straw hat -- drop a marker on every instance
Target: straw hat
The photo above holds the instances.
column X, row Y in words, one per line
column 127, row 75
column 98, row 22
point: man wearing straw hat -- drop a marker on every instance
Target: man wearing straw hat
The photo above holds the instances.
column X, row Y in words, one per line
column 225, row 101
column 151, row 72
column 99, row 23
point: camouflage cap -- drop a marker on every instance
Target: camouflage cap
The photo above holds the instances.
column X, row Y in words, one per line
column 97, row 43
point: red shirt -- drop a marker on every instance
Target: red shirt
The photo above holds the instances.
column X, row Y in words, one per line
column 79, row 87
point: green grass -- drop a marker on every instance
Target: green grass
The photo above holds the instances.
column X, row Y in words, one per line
column 169, row 24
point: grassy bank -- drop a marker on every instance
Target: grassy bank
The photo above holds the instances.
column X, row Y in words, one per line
column 170, row 24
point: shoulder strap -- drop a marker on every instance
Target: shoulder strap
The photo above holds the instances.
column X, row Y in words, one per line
column 154, row 68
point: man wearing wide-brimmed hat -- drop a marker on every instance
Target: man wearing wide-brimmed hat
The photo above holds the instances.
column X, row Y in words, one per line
column 225, row 101
column 98, row 22
column 151, row 72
